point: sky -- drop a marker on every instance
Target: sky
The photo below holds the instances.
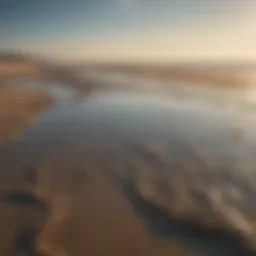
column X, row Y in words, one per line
column 130, row 30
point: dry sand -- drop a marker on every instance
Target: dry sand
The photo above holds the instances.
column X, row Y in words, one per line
column 19, row 109
column 18, row 68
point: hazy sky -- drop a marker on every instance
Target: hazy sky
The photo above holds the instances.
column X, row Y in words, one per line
column 130, row 29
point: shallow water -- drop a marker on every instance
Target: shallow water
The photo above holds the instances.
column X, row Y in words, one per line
column 145, row 137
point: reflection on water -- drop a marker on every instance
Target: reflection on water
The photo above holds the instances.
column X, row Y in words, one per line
column 189, row 158
column 139, row 118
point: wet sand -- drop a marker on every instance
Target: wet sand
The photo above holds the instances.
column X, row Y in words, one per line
column 92, row 217
column 88, row 214
column 96, row 220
